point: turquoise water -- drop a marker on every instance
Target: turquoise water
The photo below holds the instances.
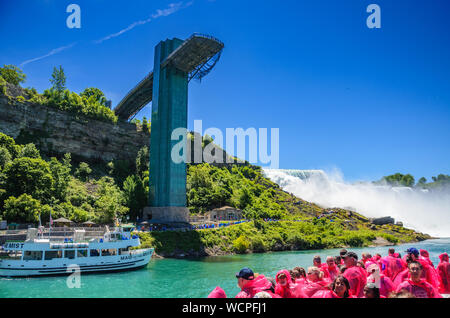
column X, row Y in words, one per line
column 186, row 278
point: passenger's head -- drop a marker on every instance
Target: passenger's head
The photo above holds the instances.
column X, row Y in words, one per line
column 337, row 259
column 343, row 252
column 244, row 276
column 317, row 261
column 341, row 286
column 330, row 261
column 391, row 251
column 301, row 271
column 443, row 257
column 314, row 274
column 293, row 275
column 262, row 294
column 283, row 277
column 413, row 253
column 372, row 269
column 415, row 270
column 401, row 294
column 350, row 259
column 371, row 291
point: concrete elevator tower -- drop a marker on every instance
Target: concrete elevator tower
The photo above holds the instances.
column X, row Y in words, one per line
column 176, row 62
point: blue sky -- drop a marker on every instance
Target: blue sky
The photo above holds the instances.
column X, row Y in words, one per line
column 370, row 102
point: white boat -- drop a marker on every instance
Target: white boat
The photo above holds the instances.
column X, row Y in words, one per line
column 39, row 255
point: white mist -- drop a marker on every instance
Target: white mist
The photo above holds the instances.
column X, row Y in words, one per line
column 427, row 212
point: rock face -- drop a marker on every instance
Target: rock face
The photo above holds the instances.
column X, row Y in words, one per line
column 57, row 132
column 382, row 220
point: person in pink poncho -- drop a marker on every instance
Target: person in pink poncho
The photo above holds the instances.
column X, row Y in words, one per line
column 250, row 285
column 428, row 271
column 426, row 256
column 315, row 281
column 385, row 285
column 356, row 276
column 217, row 293
column 416, row 285
column 285, row 287
column 443, row 270
column 339, row 288
column 392, row 266
column 331, row 268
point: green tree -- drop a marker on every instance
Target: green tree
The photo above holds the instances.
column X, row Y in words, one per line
column 12, row 74
column 5, row 157
column 135, row 196
column 31, row 176
column 23, row 209
column 422, row 181
column 58, row 79
column 61, row 176
column 96, row 93
column 142, row 161
column 110, row 201
column 145, row 125
column 30, row 151
column 83, row 171
column 9, row 143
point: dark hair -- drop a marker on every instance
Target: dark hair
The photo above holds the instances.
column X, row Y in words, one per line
column 375, row 290
column 273, row 282
column 337, row 259
column 301, row 271
column 343, row 252
column 346, row 283
column 317, row 257
column 391, row 251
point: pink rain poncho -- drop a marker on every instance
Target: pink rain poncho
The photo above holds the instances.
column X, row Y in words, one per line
column 290, row 290
column 357, row 279
column 422, row 289
column 392, row 266
column 429, row 273
column 324, row 293
column 426, row 256
column 254, row 286
column 330, row 272
column 310, row 288
column 217, row 293
column 386, row 285
column 401, row 277
column 443, row 270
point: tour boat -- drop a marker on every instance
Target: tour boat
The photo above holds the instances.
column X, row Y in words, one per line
column 40, row 255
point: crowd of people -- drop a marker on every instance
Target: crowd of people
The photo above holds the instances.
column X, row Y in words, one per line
column 345, row 276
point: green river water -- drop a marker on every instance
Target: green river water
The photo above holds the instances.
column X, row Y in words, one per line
column 183, row 278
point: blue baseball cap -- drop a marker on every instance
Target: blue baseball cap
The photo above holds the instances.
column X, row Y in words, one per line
column 412, row 250
column 245, row 273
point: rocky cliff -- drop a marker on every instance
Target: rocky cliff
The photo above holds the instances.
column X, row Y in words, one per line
column 57, row 132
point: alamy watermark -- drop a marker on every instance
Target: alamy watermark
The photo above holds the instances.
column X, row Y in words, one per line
column 195, row 151
column 74, row 279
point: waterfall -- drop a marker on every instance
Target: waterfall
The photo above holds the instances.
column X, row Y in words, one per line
column 422, row 210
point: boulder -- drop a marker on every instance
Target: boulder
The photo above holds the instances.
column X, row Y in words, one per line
column 382, row 220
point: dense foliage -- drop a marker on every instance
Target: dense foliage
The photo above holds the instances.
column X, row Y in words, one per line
column 407, row 180
column 90, row 103
column 12, row 74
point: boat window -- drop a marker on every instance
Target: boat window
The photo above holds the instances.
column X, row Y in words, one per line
column 70, row 254
column 124, row 250
column 32, row 255
column 52, row 254
column 82, row 253
column 95, row 252
column 109, row 252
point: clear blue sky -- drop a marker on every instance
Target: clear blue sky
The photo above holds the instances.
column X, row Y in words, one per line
column 370, row 102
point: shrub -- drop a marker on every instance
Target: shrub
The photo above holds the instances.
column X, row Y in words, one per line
column 83, row 171
column 12, row 74
column 241, row 244
column 23, row 209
